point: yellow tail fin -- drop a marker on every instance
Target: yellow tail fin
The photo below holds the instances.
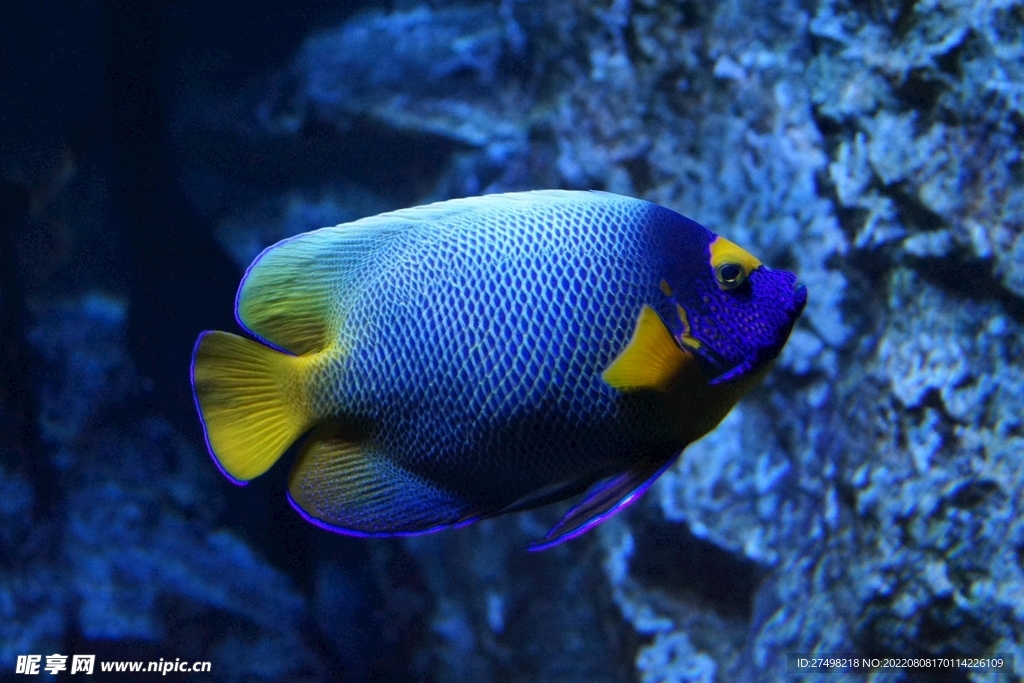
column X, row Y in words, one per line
column 251, row 399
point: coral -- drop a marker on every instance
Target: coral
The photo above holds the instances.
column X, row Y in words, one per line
column 32, row 606
column 126, row 554
column 137, row 543
column 81, row 342
column 672, row 659
column 500, row 608
column 268, row 656
column 953, row 497
column 425, row 70
column 928, row 97
column 246, row 234
column 922, row 557
column 731, row 489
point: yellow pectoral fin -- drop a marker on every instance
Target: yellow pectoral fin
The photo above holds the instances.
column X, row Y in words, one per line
column 651, row 360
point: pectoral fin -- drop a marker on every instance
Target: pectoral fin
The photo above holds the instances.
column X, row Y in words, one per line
column 651, row 360
column 604, row 499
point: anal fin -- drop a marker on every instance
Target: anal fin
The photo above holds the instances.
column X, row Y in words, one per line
column 604, row 499
column 343, row 483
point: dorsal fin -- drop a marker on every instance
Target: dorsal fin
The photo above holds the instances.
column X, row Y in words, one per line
column 296, row 291
column 292, row 292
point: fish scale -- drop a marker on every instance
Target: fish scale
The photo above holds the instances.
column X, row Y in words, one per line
column 493, row 255
column 478, row 356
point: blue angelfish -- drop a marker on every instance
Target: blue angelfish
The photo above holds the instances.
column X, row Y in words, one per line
column 473, row 357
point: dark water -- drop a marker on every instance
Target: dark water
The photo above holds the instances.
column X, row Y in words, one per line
column 865, row 500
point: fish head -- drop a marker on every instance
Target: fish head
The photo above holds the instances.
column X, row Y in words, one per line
column 737, row 314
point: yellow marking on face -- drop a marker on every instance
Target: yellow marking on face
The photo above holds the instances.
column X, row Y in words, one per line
column 665, row 289
column 724, row 251
column 686, row 337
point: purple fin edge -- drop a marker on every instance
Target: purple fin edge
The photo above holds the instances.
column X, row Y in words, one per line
column 738, row 371
column 373, row 534
column 199, row 411
column 629, row 499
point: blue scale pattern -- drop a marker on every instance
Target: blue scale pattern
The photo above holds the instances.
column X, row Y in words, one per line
column 469, row 341
column 474, row 348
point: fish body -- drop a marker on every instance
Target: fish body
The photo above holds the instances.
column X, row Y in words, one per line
column 479, row 356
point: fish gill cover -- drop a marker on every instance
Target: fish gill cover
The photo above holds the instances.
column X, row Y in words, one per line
column 866, row 498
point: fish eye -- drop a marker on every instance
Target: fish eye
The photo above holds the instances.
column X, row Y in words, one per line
column 730, row 275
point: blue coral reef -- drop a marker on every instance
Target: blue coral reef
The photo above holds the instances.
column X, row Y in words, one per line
column 867, row 499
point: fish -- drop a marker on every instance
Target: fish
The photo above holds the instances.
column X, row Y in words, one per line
column 480, row 356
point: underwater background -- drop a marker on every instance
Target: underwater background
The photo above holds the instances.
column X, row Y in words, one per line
column 867, row 498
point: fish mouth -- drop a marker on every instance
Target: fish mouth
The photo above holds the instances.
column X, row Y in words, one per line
column 718, row 370
column 714, row 365
column 711, row 363
column 743, row 368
